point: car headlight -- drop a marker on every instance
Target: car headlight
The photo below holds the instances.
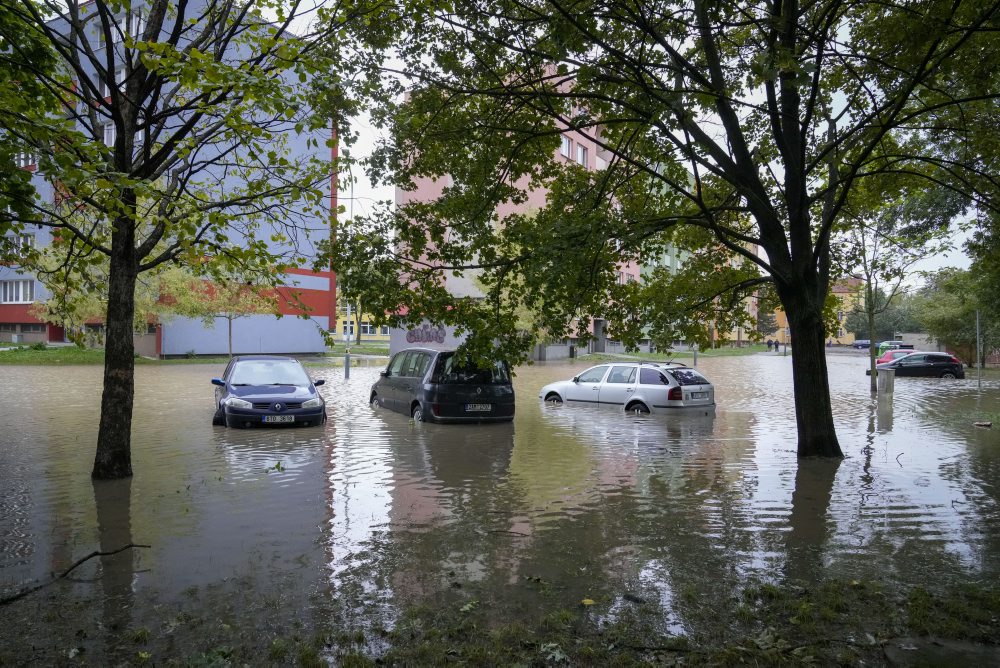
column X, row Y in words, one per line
column 233, row 402
column 312, row 403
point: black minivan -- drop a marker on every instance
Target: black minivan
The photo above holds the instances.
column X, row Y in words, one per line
column 438, row 386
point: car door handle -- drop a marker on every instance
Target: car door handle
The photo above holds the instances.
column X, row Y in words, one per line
column 630, row 390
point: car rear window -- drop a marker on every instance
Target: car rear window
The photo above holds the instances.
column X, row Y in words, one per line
column 688, row 377
column 451, row 370
column 652, row 377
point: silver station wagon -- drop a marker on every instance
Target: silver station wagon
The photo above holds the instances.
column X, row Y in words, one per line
column 639, row 387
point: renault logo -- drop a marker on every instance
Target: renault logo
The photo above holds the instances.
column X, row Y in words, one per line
column 278, row 407
column 479, row 390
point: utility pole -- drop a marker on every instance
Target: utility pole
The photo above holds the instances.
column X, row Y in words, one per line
column 979, row 353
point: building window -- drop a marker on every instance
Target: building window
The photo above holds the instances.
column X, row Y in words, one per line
column 33, row 328
column 8, row 327
column 567, row 147
column 21, row 241
column 367, row 328
column 25, row 159
column 109, row 134
column 385, row 330
column 135, row 25
column 840, row 315
column 621, row 277
column 119, row 80
column 348, row 327
column 17, row 292
column 581, row 154
column 132, row 24
column 630, row 278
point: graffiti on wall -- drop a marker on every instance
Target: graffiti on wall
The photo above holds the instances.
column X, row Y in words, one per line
column 425, row 334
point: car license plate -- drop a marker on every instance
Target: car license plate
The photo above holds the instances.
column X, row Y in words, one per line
column 699, row 395
column 279, row 418
column 470, row 408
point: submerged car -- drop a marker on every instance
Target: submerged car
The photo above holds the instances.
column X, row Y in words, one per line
column 639, row 387
column 932, row 365
column 267, row 390
column 441, row 386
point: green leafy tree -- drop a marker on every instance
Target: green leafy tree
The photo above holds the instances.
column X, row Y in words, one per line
column 887, row 228
column 172, row 146
column 897, row 316
column 25, row 102
column 735, row 130
column 947, row 307
column 767, row 324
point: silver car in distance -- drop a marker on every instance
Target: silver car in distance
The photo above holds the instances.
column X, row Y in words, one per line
column 639, row 387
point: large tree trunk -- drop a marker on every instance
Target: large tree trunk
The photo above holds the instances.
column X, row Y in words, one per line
column 813, row 407
column 114, row 440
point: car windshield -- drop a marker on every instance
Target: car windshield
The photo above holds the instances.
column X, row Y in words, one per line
column 689, row 377
column 269, row 372
column 451, row 370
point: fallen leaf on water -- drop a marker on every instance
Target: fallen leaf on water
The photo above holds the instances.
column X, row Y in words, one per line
column 587, row 601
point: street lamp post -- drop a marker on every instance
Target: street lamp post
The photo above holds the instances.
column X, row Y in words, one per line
column 347, row 344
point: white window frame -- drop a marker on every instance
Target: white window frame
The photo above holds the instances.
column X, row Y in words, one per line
column 566, row 149
column 25, row 159
column 135, row 25
column 581, row 154
column 119, row 81
column 20, row 291
column 109, row 132
column 132, row 24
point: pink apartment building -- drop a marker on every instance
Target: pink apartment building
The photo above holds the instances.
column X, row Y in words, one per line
column 576, row 146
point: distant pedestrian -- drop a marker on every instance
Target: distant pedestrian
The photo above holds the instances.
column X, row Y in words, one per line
column 769, row 345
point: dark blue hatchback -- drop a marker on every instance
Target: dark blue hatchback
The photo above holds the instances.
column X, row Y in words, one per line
column 267, row 390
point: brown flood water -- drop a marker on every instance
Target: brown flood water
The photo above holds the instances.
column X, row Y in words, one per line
column 263, row 533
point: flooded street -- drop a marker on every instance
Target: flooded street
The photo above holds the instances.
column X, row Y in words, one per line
column 344, row 527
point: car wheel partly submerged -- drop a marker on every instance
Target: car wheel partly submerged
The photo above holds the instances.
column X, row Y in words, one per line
column 418, row 413
column 374, row 401
column 219, row 419
column 948, row 374
column 553, row 398
column 638, row 408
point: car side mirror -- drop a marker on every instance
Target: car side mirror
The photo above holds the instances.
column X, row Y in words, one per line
column 219, row 382
column 576, row 379
column 384, row 373
column 319, row 382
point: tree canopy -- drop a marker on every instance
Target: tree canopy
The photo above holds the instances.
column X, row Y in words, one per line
column 736, row 131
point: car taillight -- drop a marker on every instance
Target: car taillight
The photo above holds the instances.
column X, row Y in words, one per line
column 675, row 394
column 955, row 360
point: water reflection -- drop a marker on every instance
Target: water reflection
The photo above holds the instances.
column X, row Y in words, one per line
column 113, row 502
column 347, row 525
